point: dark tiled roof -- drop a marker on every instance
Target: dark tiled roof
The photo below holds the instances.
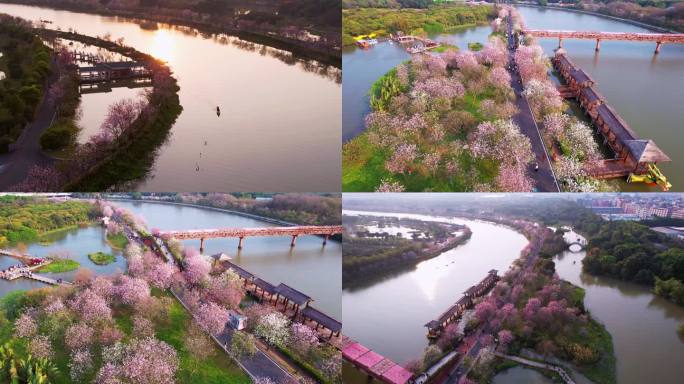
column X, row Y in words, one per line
column 245, row 274
column 646, row 151
column 322, row 319
column 618, row 126
column 265, row 285
column 591, row 94
column 292, row 294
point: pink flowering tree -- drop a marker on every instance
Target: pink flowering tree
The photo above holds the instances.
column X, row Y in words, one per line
column 274, row 328
column 78, row 336
column 25, row 326
column 196, row 267
column 91, row 307
column 211, row 317
column 145, row 361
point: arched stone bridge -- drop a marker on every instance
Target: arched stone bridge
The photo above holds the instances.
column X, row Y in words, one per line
column 241, row 233
column 658, row 38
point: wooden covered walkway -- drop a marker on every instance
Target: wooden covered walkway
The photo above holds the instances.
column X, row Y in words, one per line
column 453, row 313
column 292, row 302
column 632, row 154
column 373, row 364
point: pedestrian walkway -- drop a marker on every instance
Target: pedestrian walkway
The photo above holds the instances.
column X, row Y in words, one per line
column 561, row 372
column 543, row 176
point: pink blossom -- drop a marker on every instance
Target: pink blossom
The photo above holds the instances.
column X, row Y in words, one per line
column 197, row 267
column 25, row 326
column 130, row 290
column 78, row 336
column 211, row 317
column 90, row 306
column 402, row 159
column 40, row 347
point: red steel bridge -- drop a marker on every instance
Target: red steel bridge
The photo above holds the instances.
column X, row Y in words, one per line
column 658, row 38
column 241, row 233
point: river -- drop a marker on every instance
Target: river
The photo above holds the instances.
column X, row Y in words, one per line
column 645, row 89
column 389, row 316
column 77, row 244
column 643, row 325
column 276, row 115
column 309, row 266
column 363, row 67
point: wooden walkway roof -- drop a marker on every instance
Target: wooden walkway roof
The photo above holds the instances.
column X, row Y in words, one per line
column 375, row 364
column 322, row 319
column 292, row 294
column 646, row 151
column 619, row 127
column 245, row 274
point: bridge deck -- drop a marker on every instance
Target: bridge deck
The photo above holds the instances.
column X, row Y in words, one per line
column 250, row 232
column 677, row 38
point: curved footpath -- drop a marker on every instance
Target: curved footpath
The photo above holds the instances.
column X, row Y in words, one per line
column 26, row 151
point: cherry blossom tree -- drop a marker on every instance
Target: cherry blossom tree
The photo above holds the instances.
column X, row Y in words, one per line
column 40, row 347
column 131, row 290
column 25, row 326
column 91, row 307
column 78, row 336
column 211, row 317
column 80, row 364
column 273, row 328
column 402, row 159
column 146, row 361
column 390, row 186
column 197, row 267
column 121, row 116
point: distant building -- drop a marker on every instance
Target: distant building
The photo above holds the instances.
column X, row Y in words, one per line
column 677, row 213
column 607, row 210
column 677, row 232
column 621, row 217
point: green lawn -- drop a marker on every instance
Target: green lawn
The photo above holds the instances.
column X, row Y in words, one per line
column 118, row 241
column 60, row 265
column 217, row 369
column 101, row 258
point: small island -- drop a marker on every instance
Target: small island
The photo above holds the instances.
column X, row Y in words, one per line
column 59, row 265
column 101, row 258
column 117, row 240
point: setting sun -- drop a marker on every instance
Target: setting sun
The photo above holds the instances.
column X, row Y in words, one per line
column 163, row 46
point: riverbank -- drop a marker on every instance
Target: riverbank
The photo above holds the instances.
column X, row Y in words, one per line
column 104, row 164
column 300, row 49
column 390, row 257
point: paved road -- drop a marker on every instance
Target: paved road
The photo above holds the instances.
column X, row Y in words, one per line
column 14, row 166
column 544, row 178
column 257, row 366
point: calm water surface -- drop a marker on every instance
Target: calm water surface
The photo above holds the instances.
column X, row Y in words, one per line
column 643, row 325
column 308, row 267
column 276, row 114
column 389, row 316
column 77, row 243
column 363, row 67
column 645, row 89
